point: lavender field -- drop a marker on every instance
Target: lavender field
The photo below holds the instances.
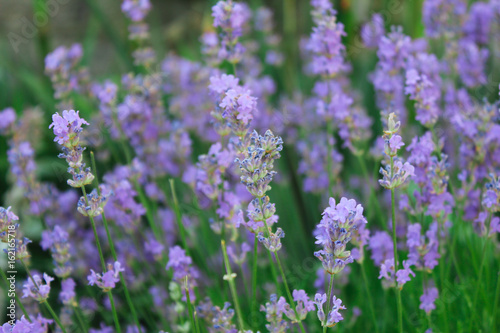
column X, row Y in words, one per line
column 259, row 166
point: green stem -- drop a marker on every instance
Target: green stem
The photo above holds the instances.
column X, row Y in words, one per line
column 80, row 319
column 372, row 194
column 273, row 272
column 145, row 203
column 495, row 305
column 18, row 301
column 329, row 157
column 369, row 295
column 395, row 245
column 96, row 236
column 192, row 318
column 178, row 216
column 112, row 248
column 476, row 294
column 289, row 294
column 113, row 309
column 254, row 276
column 328, row 298
column 230, row 279
column 52, row 313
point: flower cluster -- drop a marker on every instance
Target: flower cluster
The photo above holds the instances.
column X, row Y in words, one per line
column 388, row 77
column 57, row 241
column 7, row 119
column 274, row 310
column 423, row 91
column 325, row 42
column 121, row 206
column 67, row 129
column 396, row 172
column 7, row 223
column 62, row 67
column 93, row 204
column 302, row 308
column 334, row 232
column 231, row 17
column 422, row 254
column 256, row 174
column 36, row 289
column 107, row 280
column 218, row 320
column 399, row 278
column 428, row 298
column 68, row 294
column 183, row 272
column 136, row 11
column 234, row 109
column 333, row 316
column 373, row 31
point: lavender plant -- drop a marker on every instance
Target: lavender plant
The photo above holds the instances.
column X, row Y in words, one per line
column 187, row 152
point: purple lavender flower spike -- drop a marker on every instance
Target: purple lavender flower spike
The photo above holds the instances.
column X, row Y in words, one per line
column 256, row 174
column 67, row 129
column 7, row 119
column 183, row 272
column 477, row 27
column 96, row 203
column 443, row 17
column 373, row 31
column 395, row 279
column 231, row 17
column 107, row 280
column 428, row 298
column 334, row 316
column 471, row 63
column 136, row 10
column 58, row 242
column 303, row 306
column 68, row 295
column 36, row 289
column 7, row 223
column 274, row 310
column 337, row 227
column 401, row 171
column 22, row 325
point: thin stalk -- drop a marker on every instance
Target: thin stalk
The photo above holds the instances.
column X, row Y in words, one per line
column 18, row 301
column 273, row 272
column 445, row 306
column 53, row 314
column 96, row 236
column 145, row 203
column 80, row 319
column 245, row 282
column 112, row 248
column 329, row 159
column 230, row 279
column 476, row 294
column 328, row 298
column 113, row 309
column 369, row 295
column 495, row 306
column 178, row 216
column 192, row 318
column 395, row 245
column 254, row 275
column 47, row 305
column 372, row 194
column 289, row 294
